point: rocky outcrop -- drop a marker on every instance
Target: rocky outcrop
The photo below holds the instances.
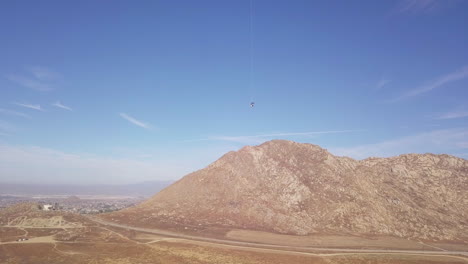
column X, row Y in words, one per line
column 295, row 188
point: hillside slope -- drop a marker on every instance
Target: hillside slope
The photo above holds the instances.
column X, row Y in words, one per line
column 295, row 188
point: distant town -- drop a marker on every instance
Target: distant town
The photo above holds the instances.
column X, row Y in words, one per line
column 86, row 204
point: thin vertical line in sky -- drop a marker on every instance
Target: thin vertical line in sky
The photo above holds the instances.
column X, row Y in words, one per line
column 251, row 32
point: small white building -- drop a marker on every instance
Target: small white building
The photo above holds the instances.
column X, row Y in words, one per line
column 47, row 207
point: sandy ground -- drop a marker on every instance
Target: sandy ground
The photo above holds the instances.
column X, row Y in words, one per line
column 99, row 242
column 160, row 249
column 43, row 239
column 336, row 241
column 41, row 222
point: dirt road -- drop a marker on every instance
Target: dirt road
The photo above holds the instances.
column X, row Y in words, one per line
column 280, row 248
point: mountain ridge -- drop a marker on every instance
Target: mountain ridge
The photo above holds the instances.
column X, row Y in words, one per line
column 296, row 188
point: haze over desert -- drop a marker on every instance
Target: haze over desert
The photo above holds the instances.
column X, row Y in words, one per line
column 235, row 131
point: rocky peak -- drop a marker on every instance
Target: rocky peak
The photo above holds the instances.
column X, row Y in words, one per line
column 288, row 187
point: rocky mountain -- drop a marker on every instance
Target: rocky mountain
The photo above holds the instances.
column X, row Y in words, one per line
column 287, row 187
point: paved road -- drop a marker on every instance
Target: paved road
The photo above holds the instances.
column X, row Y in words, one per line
column 272, row 246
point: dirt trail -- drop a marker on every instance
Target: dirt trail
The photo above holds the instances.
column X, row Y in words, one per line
column 116, row 233
column 42, row 239
column 26, row 233
column 280, row 251
column 168, row 239
column 52, row 222
column 278, row 248
column 67, row 252
column 422, row 243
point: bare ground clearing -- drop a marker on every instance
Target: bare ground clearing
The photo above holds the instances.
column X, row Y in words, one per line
column 161, row 249
column 337, row 241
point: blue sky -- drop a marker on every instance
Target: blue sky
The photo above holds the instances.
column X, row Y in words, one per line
column 119, row 91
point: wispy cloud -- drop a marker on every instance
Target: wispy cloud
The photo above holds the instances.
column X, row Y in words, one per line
column 60, row 105
column 42, row 73
column 437, row 141
column 30, row 83
column 6, row 127
column 256, row 139
column 38, row 164
column 30, row 106
column 37, row 78
column 135, row 121
column 33, row 164
column 382, row 83
column 14, row 113
column 437, row 83
column 417, row 6
column 453, row 114
column 414, row 7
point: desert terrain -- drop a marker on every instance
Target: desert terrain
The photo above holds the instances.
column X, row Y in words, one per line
column 302, row 189
column 279, row 202
column 60, row 237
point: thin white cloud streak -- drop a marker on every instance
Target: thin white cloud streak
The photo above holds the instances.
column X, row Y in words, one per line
column 6, row 127
column 453, row 115
column 42, row 73
column 255, row 139
column 36, row 164
column 135, row 121
column 30, row 106
column 13, row 113
column 60, row 105
column 437, row 141
column 439, row 82
column 38, row 78
column 30, row 83
column 32, row 164
column 382, row 83
column 416, row 6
